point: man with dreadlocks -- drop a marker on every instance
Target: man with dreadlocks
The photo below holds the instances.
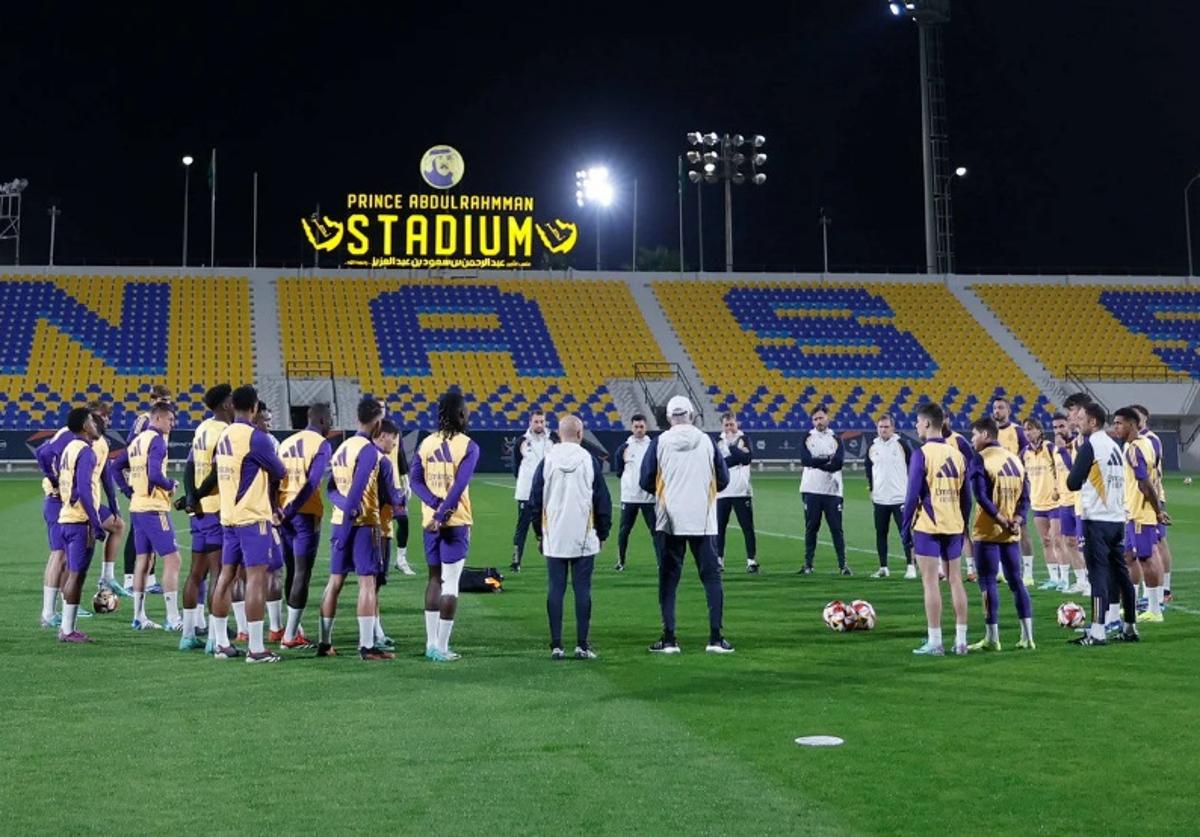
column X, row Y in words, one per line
column 441, row 471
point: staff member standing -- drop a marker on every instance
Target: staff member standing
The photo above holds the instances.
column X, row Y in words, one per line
column 1098, row 474
column 685, row 471
column 572, row 515
column 821, row 453
column 634, row 501
column 737, row 496
column 527, row 458
column 887, row 480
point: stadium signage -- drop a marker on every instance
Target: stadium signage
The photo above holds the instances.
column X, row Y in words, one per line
column 438, row 229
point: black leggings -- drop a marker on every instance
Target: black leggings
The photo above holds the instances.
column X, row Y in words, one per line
column 629, row 516
column 744, row 509
column 884, row 515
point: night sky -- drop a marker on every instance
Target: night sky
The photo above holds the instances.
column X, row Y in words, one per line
column 1078, row 120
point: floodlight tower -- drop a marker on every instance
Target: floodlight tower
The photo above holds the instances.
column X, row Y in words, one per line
column 10, row 213
column 593, row 187
column 722, row 162
column 930, row 16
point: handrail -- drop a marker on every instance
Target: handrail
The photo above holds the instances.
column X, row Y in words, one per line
column 643, row 371
column 1125, row 372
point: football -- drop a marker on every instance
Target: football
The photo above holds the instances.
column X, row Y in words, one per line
column 864, row 615
column 105, row 601
column 1070, row 615
column 1187, row 480
column 837, row 617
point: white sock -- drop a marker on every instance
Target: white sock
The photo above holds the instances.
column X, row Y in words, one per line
column 256, row 637
column 325, row 634
column 49, row 594
column 1081, row 575
column 139, row 605
column 275, row 613
column 199, row 614
column 402, row 554
column 1058, row 572
column 444, row 627
column 1027, row 565
column 189, row 623
column 1166, row 581
column 992, row 632
column 1027, row 629
column 128, row 581
column 1155, row 595
column 366, row 632
column 431, row 626
column 935, row 636
column 106, row 570
column 68, row 620
column 960, row 634
column 239, row 615
column 970, row 563
column 379, row 634
column 1097, row 631
column 172, row 602
column 151, row 580
column 218, row 629
column 293, row 623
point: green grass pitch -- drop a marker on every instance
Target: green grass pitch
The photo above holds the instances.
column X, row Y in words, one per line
column 131, row 735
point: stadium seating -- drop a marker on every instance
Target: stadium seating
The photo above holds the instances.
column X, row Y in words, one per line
column 1156, row 330
column 509, row 346
column 769, row 352
column 68, row 339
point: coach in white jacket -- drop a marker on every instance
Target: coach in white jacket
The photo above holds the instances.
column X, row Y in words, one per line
column 634, row 501
column 685, row 471
column 572, row 518
column 737, row 497
column 822, row 454
column 887, row 480
column 527, row 458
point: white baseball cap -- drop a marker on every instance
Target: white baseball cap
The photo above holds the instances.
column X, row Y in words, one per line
column 680, row 406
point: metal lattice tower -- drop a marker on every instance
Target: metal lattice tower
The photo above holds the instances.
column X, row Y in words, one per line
column 10, row 214
column 938, row 144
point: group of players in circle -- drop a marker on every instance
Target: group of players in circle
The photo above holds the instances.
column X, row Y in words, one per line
column 255, row 508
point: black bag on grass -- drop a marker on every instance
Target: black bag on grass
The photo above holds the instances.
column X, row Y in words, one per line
column 476, row 580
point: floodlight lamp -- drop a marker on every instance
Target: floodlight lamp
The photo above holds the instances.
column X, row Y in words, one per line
column 188, row 159
column 896, row 8
column 695, row 137
column 759, row 140
column 739, row 158
column 759, row 179
column 694, row 176
column 739, row 140
column 710, row 178
column 709, row 168
column 760, row 159
column 710, row 138
column 693, row 157
column 739, row 178
column 961, row 171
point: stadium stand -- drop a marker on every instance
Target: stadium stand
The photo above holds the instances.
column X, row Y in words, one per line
column 509, row 345
column 1153, row 329
column 769, row 352
column 65, row 339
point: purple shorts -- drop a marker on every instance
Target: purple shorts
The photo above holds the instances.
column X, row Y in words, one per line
column 447, row 545
column 276, row 562
column 991, row 557
column 75, row 541
column 301, row 536
column 247, row 546
column 1140, row 539
column 206, row 533
column 354, row 549
column 946, row 547
column 50, row 512
column 1048, row 514
column 153, row 532
column 1068, row 521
